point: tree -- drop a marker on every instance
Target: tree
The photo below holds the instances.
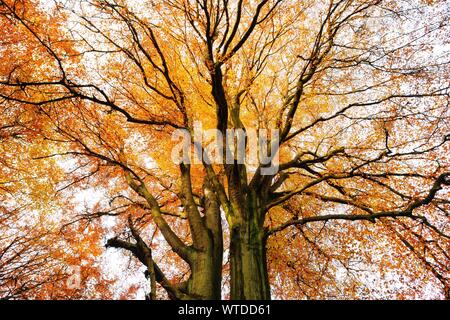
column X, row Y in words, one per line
column 357, row 91
column 34, row 259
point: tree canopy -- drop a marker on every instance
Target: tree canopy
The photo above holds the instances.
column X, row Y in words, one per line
column 92, row 93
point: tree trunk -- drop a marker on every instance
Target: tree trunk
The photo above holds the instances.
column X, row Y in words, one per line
column 249, row 277
column 206, row 267
column 206, row 277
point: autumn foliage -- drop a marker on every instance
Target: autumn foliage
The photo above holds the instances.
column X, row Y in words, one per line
column 91, row 93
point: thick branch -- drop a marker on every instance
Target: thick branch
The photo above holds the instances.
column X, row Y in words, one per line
column 443, row 179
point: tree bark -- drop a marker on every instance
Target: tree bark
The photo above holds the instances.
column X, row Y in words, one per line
column 206, row 265
column 248, row 266
column 249, row 278
column 205, row 280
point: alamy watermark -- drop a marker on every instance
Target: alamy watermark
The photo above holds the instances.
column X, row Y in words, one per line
column 253, row 147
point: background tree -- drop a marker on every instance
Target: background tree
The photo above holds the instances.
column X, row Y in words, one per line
column 357, row 89
column 38, row 258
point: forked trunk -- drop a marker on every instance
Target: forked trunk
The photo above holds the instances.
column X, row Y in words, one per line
column 206, row 267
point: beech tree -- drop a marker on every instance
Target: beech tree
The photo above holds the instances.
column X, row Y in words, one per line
column 357, row 91
column 35, row 262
